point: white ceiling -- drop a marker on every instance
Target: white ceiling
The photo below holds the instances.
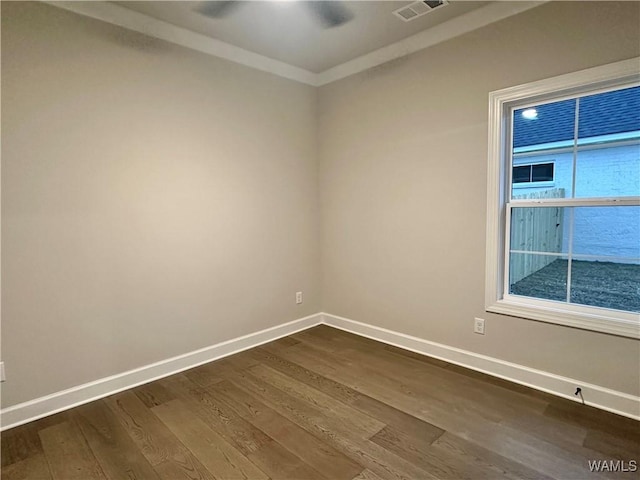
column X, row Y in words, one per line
column 288, row 32
column 284, row 39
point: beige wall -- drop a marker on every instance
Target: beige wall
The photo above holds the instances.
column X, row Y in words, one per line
column 403, row 163
column 155, row 200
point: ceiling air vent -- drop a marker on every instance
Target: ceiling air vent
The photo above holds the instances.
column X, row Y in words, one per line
column 418, row 9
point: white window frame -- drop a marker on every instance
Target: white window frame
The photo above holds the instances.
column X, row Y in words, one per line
column 611, row 76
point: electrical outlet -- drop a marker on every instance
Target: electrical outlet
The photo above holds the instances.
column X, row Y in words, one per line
column 298, row 298
column 478, row 325
column 2, row 377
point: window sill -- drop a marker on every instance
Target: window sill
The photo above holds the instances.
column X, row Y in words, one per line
column 586, row 318
column 546, row 184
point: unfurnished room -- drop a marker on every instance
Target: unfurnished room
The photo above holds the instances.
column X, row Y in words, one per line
column 332, row 240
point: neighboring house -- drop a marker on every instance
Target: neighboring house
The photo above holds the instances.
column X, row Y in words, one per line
column 607, row 164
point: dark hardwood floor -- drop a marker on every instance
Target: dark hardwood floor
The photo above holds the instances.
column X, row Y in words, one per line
column 324, row 404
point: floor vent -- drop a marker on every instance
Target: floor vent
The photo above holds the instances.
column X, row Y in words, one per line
column 418, row 9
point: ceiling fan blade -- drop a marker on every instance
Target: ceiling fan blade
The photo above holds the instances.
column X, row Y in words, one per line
column 217, row 9
column 330, row 13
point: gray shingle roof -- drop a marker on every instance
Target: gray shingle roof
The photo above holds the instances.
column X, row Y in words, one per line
column 600, row 114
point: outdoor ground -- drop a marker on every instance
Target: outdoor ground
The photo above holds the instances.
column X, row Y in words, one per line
column 601, row 284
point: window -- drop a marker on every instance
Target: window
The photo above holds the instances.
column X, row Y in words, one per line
column 563, row 218
column 540, row 172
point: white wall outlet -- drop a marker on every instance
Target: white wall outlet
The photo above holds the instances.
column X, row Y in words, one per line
column 2, row 377
column 478, row 325
column 298, row 298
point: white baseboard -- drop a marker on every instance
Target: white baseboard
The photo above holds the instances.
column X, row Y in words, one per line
column 594, row 395
column 56, row 402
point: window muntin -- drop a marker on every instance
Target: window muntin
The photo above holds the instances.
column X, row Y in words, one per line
column 505, row 152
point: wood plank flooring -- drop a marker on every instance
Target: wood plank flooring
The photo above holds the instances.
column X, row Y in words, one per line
column 324, row 404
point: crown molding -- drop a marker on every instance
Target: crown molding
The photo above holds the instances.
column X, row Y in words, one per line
column 123, row 17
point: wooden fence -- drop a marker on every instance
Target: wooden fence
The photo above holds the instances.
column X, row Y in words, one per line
column 537, row 230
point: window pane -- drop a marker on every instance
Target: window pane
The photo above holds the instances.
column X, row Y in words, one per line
column 609, row 113
column 521, row 174
column 612, row 171
column 550, row 123
column 539, row 229
column 606, row 284
column 607, row 232
column 539, row 130
column 542, row 172
column 608, row 161
column 538, row 276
